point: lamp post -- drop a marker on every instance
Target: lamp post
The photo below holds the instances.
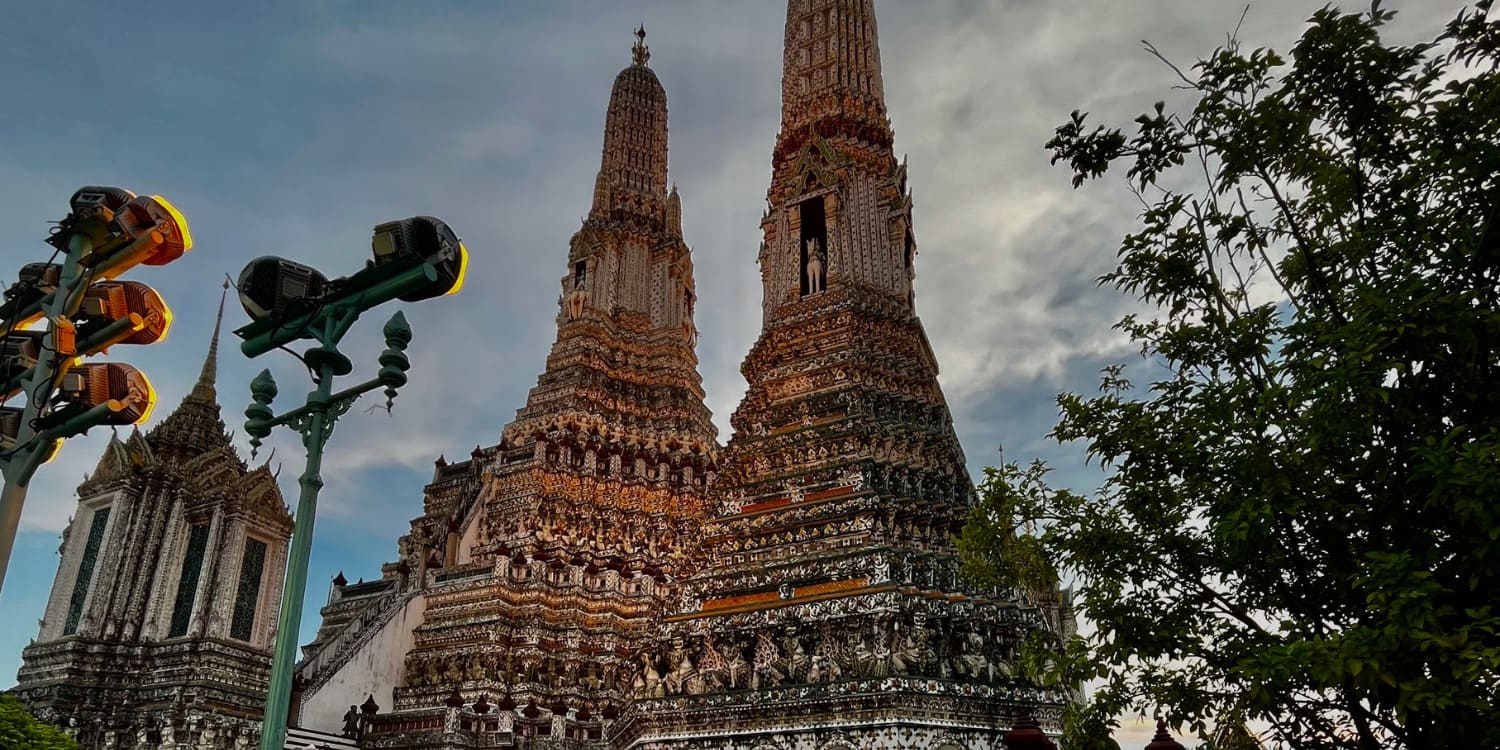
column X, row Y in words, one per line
column 414, row 259
column 314, row 421
column 107, row 232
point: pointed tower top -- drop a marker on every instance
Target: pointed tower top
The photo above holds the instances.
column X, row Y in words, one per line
column 195, row 426
column 639, row 52
column 830, row 77
column 632, row 181
column 203, row 390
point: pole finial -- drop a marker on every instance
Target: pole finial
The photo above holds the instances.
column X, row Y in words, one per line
column 639, row 52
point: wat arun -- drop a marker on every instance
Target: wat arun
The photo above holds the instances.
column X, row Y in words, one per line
column 608, row 576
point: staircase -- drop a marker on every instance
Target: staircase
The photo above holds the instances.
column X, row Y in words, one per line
column 298, row 738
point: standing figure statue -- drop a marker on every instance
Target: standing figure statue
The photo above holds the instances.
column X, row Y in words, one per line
column 648, row 683
column 712, row 666
column 764, row 672
column 737, row 668
column 815, row 279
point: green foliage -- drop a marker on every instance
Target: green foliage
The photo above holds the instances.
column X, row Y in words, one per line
column 19, row 731
column 1300, row 522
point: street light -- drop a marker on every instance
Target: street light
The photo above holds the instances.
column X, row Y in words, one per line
column 414, row 259
column 107, row 232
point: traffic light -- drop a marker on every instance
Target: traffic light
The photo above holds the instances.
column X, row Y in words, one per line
column 414, row 259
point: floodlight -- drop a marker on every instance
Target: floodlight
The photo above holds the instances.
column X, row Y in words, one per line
column 125, row 389
column 427, row 238
column 272, row 288
column 109, row 301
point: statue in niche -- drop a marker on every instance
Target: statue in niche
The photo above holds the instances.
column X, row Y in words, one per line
column 579, row 295
column 796, row 655
column 648, row 683
column 737, row 666
column 682, row 672
column 712, row 665
column 815, row 277
column 767, row 656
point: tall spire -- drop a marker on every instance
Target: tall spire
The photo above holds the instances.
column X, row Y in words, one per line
column 632, row 182
column 840, row 210
column 625, row 335
column 830, row 80
column 195, row 426
column 203, row 390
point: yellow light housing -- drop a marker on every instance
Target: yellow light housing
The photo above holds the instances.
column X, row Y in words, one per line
column 150, row 396
column 115, row 300
column 126, row 389
column 463, row 270
column 179, row 228
column 56, row 449
column 166, row 322
column 174, row 229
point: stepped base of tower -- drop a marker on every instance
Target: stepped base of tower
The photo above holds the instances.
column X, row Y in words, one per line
column 886, row 712
column 103, row 693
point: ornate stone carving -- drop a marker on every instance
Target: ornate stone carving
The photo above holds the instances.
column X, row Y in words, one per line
column 169, row 587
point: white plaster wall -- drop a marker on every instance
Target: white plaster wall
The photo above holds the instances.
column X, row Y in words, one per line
column 467, row 543
column 377, row 668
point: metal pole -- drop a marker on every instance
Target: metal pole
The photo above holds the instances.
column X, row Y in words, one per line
column 284, row 660
column 10, row 518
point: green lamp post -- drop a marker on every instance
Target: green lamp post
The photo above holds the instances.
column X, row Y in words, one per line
column 415, row 259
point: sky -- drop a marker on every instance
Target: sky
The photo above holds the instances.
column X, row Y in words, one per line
column 293, row 128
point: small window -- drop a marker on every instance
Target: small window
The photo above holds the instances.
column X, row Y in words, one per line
column 580, row 274
column 252, row 566
column 187, row 581
column 91, row 550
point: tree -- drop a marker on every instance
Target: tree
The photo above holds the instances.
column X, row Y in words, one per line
column 19, row 731
column 1300, row 521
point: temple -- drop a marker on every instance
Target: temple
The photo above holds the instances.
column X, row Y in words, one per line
column 606, row 576
column 161, row 621
column 540, row 566
column 830, row 611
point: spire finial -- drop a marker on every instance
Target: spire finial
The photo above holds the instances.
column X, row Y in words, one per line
column 204, row 388
column 639, row 51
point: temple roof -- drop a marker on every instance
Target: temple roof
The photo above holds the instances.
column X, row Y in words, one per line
column 633, row 167
column 195, row 426
column 831, row 81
